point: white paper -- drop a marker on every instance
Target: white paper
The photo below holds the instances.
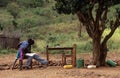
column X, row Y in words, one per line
column 30, row 54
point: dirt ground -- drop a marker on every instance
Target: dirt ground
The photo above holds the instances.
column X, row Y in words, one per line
column 58, row 71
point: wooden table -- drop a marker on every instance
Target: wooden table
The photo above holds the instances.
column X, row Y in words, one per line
column 72, row 55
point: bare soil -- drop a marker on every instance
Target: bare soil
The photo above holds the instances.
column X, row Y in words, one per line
column 57, row 71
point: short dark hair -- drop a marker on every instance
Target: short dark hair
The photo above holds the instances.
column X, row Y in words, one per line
column 31, row 41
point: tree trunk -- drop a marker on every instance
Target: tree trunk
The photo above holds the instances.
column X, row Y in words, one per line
column 96, row 51
column 103, row 55
column 99, row 52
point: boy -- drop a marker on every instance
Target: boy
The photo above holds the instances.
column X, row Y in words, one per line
column 24, row 47
column 25, row 52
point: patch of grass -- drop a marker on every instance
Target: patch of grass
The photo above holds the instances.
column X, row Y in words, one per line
column 7, row 51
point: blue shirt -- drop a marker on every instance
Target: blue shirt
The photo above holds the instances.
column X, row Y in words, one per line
column 23, row 45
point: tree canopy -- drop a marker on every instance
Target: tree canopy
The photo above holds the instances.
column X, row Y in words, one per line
column 73, row 6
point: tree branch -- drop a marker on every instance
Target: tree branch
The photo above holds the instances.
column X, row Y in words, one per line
column 87, row 22
column 98, row 17
column 116, row 25
column 81, row 17
column 90, row 12
column 103, row 19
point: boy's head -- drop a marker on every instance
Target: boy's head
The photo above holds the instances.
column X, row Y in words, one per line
column 31, row 41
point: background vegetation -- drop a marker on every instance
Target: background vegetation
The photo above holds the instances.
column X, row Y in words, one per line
column 37, row 19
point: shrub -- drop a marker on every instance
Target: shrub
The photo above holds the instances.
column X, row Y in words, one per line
column 113, row 45
column 31, row 3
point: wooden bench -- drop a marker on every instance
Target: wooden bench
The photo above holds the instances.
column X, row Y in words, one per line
column 72, row 55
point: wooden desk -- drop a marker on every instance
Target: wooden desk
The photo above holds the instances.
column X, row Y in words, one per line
column 72, row 55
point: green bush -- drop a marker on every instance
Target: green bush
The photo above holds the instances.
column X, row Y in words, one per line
column 5, row 20
column 113, row 45
column 31, row 3
column 88, row 46
column 84, row 47
column 3, row 3
column 7, row 51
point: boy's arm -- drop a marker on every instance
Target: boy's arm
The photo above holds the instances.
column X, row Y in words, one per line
column 21, row 54
column 18, row 45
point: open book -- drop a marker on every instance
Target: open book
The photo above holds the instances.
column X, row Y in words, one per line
column 30, row 54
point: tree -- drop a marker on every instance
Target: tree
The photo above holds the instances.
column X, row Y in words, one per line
column 93, row 15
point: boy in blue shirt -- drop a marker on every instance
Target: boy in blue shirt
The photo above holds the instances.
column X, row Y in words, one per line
column 24, row 48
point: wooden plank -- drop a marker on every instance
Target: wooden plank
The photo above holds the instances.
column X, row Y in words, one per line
column 61, row 48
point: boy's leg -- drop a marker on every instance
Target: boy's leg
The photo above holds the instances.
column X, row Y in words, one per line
column 14, row 64
column 21, row 63
column 18, row 54
column 29, row 61
column 43, row 61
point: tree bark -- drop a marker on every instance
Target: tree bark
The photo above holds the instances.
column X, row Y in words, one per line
column 103, row 55
column 96, row 51
column 99, row 52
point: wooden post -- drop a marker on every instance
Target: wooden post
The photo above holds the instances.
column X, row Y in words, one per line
column 47, row 54
column 63, row 59
column 74, row 55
